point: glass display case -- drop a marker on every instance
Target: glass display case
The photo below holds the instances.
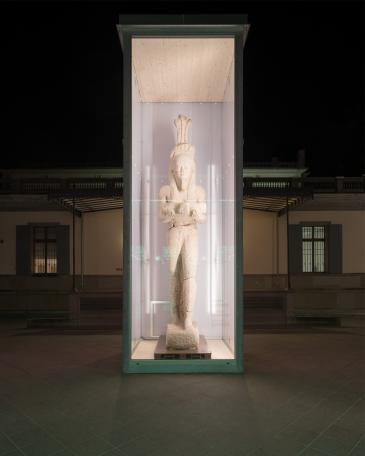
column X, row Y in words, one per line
column 182, row 170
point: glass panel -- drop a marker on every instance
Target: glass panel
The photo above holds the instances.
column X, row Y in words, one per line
column 307, row 232
column 319, row 232
column 307, row 256
column 39, row 257
column 318, row 256
column 183, row 199
column 51, row 258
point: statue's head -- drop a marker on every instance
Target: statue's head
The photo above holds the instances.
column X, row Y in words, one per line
column 183, row 167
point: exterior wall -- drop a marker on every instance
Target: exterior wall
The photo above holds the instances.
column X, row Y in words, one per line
column 103, row 242
column 256, row 282
column 283, row 244
column 61, row 283
column 259, row 242
column 8, row 222
column 265, row 250
column 264, row 234
column 338, row 295
column 353, row 234
column 102, row 246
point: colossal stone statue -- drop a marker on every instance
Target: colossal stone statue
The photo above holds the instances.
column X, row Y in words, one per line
column 182, row 207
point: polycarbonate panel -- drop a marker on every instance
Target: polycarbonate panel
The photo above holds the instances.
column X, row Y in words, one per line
column 153, row 139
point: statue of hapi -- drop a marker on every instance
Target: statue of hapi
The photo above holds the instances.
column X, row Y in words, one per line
column 182, row 207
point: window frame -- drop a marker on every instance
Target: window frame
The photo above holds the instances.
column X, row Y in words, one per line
column 315, row 224
column 45, row 226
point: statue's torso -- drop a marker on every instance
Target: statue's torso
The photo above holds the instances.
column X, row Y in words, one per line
column 181, row 205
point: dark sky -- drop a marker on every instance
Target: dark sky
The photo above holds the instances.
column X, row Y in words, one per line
column 62, row 82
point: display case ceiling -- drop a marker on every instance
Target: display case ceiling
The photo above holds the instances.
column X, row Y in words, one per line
column 202, row 65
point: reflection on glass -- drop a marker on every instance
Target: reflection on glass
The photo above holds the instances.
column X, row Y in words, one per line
column 205, row 94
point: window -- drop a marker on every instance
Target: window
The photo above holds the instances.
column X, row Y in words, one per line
column 314, row 258
column 44, row 250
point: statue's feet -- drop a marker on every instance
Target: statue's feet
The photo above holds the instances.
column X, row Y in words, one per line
column 188, row 322
column 180, row 338
column 175, row 320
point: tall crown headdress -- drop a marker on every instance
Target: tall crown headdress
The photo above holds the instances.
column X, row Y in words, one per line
column 182, row 124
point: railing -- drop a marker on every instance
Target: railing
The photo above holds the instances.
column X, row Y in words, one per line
column 265, row 184
column 302, row 186
column 114, row 186
column 62, row 187
column 272, row 164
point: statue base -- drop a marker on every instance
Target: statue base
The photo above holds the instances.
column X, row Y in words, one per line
column 202, row 352
column 180, row 338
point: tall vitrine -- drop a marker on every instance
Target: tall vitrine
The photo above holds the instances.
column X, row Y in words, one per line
column 182, row 107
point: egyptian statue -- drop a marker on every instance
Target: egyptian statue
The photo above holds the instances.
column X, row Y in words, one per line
column 182, row 208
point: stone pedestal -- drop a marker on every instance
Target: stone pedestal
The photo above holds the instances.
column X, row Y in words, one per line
column 179, row 338
column 202, row 352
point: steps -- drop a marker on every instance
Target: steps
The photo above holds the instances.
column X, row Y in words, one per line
column 264, row 309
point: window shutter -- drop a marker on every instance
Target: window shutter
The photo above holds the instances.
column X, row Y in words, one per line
column 335, row 249
column 23, row 250
column 63, row 249
column 295, row 249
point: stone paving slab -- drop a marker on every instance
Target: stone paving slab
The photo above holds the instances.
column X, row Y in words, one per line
column 63, row 394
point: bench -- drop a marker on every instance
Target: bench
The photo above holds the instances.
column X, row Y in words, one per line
column 327, row 316
column 12, row 313
column 43, row 318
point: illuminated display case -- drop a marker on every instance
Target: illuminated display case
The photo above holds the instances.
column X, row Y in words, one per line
column 182, row 113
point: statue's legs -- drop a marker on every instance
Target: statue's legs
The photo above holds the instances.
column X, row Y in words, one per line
column 189, row 258
column 175, row 293
column 175, row 240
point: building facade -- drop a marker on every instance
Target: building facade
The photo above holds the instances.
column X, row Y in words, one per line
column 61, row 243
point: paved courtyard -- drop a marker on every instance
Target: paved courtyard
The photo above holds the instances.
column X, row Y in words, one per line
column 63, row 394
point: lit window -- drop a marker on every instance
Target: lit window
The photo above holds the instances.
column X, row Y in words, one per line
column 44, row 250
column 313, row 248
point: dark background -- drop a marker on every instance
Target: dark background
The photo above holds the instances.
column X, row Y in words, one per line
column 61, row 71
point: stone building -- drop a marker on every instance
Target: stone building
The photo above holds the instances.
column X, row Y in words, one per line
column 61, row 243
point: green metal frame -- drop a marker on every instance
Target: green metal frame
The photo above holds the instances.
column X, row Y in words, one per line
column 182, row 26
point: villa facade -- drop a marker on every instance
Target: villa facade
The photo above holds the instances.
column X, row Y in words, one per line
column 61, row 244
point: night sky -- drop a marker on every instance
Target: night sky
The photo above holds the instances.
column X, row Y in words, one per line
column 61, row 71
